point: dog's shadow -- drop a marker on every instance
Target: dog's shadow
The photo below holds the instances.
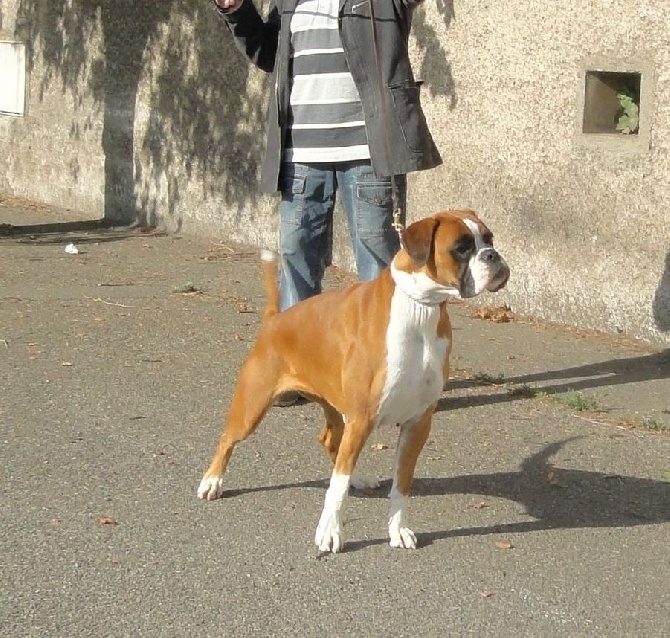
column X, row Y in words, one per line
column 555, row 498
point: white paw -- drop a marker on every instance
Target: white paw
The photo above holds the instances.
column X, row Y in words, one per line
column 363, row 483
column 403, row 537
column 211, row 488
column 328, row 536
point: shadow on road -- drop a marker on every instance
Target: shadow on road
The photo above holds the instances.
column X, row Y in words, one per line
column 594, row 375
column 78, row 232
column 556, row 498
column 661, row 303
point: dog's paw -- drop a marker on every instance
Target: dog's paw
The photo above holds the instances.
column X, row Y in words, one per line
column 363, row 483
column 211, row 488
column 403, row 537
column 328, row 536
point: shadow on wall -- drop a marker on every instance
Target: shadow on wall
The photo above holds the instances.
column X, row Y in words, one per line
column 202, row 122
column 436, row 70
column 661, row 306
column 197, row 86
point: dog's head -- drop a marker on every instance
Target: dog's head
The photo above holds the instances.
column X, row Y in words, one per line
column 449, row 254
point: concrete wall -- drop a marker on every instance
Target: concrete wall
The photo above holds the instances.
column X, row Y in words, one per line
column 144, row 111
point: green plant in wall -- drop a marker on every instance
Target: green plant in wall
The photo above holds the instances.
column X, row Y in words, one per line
column 628, row 116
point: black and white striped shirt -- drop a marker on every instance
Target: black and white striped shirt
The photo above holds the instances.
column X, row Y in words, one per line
column 325, row 119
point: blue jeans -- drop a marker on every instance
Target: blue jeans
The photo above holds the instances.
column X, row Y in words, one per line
column 306, row 225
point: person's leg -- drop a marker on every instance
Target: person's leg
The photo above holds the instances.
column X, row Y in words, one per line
column 306, row 217
column 368, row 203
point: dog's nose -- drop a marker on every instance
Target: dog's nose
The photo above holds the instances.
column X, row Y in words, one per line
column 489, row 255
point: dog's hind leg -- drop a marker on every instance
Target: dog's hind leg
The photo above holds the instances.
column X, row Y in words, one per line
column 331, row 437
column 255, row 390
column 331, row 433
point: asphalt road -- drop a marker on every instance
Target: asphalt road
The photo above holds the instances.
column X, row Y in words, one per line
column 534, row 518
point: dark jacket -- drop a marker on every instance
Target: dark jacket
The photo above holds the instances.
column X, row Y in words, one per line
column 267, row 44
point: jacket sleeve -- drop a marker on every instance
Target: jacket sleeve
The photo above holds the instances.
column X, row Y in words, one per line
column 255, row 37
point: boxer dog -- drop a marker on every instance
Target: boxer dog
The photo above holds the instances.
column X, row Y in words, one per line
column 373, row 354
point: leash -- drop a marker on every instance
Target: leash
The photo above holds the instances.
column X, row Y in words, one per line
column 398, row 216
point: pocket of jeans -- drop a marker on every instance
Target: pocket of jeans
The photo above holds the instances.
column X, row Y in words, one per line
column 292, row 184
column 292, row 199
column 376, row 194
column 375, row 209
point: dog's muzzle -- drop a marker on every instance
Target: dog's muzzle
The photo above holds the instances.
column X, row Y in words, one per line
column 499, row 280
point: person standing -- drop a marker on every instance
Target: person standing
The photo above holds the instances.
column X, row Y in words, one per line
column 344, row 118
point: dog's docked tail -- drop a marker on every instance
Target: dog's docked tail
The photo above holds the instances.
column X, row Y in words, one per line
column 269, row 260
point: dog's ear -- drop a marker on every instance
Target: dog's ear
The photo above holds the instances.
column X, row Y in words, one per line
column 417, row 239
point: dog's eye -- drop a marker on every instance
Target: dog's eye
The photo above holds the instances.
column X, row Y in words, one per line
column 463, row 248
column 488, row 239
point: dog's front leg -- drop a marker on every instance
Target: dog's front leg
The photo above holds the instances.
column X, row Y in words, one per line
column 413, row 436
column 328, row 536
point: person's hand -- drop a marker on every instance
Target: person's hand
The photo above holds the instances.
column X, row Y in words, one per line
column 229, row 5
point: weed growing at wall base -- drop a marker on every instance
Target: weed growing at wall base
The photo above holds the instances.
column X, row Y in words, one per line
column 570, row 399
column 654, row 425
column 576, row 401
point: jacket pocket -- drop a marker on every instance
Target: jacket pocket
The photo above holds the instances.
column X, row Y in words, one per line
column 360, row 6
column 407, row 107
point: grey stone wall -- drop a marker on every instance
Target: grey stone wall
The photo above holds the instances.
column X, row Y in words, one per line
column 143, row 111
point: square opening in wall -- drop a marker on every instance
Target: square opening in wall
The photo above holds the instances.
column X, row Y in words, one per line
column 12, row 78
column 611, row 103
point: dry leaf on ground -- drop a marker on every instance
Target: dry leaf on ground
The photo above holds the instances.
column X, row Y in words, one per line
column 244, row 308
column 497, row 314
column 106, row 520
column 552, row 479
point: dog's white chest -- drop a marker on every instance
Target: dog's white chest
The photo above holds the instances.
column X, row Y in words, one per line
column 415, row 361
